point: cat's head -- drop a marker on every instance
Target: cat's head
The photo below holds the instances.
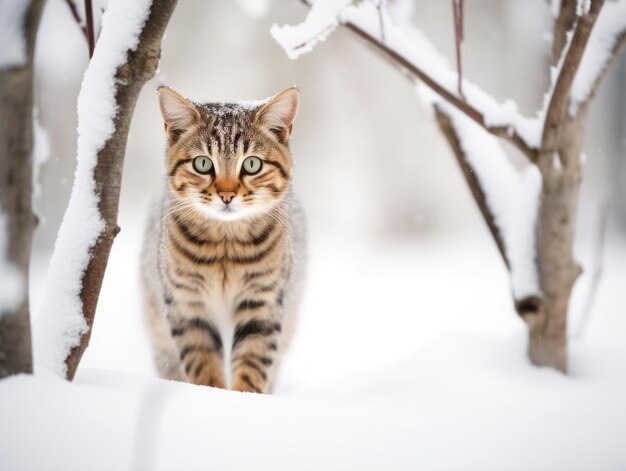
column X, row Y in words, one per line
column 228, row 160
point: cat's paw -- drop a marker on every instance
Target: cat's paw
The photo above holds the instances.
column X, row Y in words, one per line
column 244, row 383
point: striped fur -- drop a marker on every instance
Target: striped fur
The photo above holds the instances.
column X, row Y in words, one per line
column 222, row 282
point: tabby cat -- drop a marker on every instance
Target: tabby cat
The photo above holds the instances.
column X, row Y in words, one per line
column 223, row 256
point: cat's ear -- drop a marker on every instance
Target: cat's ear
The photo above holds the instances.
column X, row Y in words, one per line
column 278, row 114
column 178, row 114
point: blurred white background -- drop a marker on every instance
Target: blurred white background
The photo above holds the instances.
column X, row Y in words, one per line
column 371, row 165
column 370, row 160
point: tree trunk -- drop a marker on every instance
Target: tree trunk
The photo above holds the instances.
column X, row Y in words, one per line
column 556, row 226
column 16, row 146
column 140, row 67
column 558, row 160
column 559, row 163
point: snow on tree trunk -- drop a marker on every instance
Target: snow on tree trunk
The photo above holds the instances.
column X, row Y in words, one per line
column 531, row 216
column 18, row 29
column 126, row 56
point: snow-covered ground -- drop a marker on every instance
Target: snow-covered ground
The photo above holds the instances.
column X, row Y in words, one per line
column 408, row 356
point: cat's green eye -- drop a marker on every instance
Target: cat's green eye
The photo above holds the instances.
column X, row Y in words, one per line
column 252, row 165
column 203, row 165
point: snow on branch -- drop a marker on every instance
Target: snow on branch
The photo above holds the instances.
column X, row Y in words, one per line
column 321, row 20
column 568, row 68
column 410, row 50
column 62, row 323
column 508, row 199
column 608, row 35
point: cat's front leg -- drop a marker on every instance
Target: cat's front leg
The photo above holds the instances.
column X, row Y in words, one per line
column 255, row 346
column 199, row 346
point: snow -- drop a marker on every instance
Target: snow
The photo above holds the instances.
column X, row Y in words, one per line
column 62, row 323
column 11, row 289
column 252, row 104
column 12, row 17
column 321, row 20
column 610, row 25
column 409, row 355
column 410, row 44
column 512, row 196
column 406, row 40
column 254, row 8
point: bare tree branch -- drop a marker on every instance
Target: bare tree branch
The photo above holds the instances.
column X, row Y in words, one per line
column 381, row 19
column 505, row 132
column 140, row 66
column 76, row 16
column 560, row 96
column 414, row 72
column 88, row 28
column 16, row 147
column 91, row 41
column 563, row 24
column 457, row 6
column 618, row 47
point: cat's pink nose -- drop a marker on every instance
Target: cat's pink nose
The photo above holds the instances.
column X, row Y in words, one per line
column 227, row 196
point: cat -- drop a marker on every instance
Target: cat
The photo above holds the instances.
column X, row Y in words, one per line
column 224, row 250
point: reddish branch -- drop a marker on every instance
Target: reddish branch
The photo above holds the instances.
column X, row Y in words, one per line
column 505, row 132
column 88, row 28
column 76, row 17
column 457, row 6
column 90, row 34
column 381, row 7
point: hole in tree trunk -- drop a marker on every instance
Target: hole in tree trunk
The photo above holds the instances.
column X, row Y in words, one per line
column 528, row 306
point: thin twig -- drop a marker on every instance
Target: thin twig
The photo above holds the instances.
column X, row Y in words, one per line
column 457, row 6
column 618, row 45
column 505, row 132
column 76, row 16
column 90, row 31
column 597, row 261
column 102, row 10
column 315, row 37
column 563, row 24
column 380, row 7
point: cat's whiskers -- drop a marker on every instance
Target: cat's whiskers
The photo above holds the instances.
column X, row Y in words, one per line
column 276, row 211
column 177, row 207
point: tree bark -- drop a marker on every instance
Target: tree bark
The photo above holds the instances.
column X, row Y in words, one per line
column 16, row 146
column 141, row 65
column 558, row 160
column 559, row 163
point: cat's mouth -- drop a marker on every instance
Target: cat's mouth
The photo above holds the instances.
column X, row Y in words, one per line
column 225, row 212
